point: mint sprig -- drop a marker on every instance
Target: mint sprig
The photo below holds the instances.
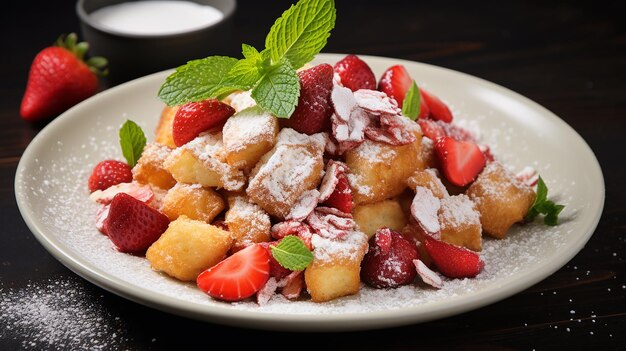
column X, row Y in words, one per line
column 132, row 141
column 278, row 90
column 294, row 39
column 301, row 32
column 292, row 254
column 412, row 102
column 542, row 205
column 197, row 80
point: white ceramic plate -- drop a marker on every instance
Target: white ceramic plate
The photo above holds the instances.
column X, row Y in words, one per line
column 51, row 191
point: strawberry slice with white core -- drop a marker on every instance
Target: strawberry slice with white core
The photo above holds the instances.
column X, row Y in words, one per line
column 304, row 206
column 101, row 216
column 424, row 209
column 237, row 277
column 140, row 192
column 461, row 161
column 293, row 285
column 428, row 276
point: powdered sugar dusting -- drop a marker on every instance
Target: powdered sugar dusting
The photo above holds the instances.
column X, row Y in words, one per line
column 247, row 127
column 458, row 210
column 57, row 314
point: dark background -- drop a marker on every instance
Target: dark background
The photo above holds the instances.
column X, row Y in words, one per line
column 568, row 57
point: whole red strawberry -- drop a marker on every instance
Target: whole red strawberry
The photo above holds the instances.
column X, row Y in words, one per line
column 389, row 260
column 355, row 74
column 108, row 173
column 194, row 118
column 59, row 78
column 312, row 114
column 132, row 225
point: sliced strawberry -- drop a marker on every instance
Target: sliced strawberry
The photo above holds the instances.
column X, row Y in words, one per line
column 341, row 198
column 453, row 261
column 312, row 114
column 136, row 190
column 238, row 276
column 439, row 111
column 132, row 225
column 461, row 161
column 431, row 129
column 395, row 82
column 355, row 74
column 108, row 173
column 436, row 129
column 194, row 118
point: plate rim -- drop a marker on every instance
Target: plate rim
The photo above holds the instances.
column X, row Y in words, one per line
column 227, row 315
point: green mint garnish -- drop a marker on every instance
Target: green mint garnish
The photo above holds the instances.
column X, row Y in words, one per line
column 412, row 102
column 132, row 141
column 292, row 254
column 278, row 90
column 544, row 206
column 196, row 81
column 301, row 32
column 294, row 39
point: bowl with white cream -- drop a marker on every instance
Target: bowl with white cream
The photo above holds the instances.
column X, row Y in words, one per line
column 146, row 36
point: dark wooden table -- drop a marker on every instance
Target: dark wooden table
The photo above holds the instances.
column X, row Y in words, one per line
column 570, row 58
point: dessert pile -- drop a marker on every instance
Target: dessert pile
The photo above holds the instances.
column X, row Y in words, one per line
column 358, row 182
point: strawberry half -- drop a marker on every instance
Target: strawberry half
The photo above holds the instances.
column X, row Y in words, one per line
column 108, row 173
column 395, row 82
column 312, row 114
column 461, row 161
column 132, row 225
column 238, row 276
column 341, row 198
column 59, row 78
column 439, row 111
column 453, row 261
column 194, row 118
column 355, row 74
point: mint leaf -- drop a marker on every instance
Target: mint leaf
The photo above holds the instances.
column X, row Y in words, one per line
column 292, row 254
column 132, row 141
column 250, row 52
column 542, row 205
column 412, row 102
column 197, row 80
column 278, row 90
column 243, row 76
column 301, row 32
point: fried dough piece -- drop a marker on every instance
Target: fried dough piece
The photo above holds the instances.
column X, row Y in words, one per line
column 335, row 270
column 187, row 248
column 193, row 201
column 293, row 166
column 500, row 198
column 150, row 169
